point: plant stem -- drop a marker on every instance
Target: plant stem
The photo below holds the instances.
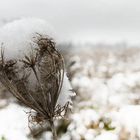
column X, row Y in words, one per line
column 53, row 130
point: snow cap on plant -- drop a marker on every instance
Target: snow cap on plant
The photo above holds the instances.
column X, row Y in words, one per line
column 32, row 69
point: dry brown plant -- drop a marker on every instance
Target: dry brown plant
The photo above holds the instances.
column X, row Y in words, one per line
column 36, row 81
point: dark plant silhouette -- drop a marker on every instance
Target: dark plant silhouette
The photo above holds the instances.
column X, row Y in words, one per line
column 36, row 80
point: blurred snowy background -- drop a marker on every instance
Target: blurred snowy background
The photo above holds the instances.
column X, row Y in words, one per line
column 101, row 45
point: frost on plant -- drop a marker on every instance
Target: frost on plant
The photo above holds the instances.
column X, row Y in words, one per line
column 37, row 79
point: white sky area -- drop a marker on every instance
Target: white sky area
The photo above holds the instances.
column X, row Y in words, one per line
column 107, row 21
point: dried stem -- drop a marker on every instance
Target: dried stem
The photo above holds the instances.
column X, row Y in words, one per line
column 53, row 130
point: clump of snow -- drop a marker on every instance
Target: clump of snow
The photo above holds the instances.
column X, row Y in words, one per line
column 66, row 93
column 66, row 137
column 13, row 122
column 18, row 36
column 47, row 136
column 128, row 116
column 78, row 127
column 107, row 136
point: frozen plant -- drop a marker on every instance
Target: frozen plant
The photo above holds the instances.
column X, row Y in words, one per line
column 35, row 78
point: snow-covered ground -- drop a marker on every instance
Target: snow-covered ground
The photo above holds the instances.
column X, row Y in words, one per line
column 107, row 82
column 107, row 106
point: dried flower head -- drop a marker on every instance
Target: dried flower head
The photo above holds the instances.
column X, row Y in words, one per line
column 36, row 79
column 33, row 69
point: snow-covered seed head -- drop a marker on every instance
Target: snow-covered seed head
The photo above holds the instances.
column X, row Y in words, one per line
column 36, row 77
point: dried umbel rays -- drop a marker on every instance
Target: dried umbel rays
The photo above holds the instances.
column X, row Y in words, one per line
column 36, row 79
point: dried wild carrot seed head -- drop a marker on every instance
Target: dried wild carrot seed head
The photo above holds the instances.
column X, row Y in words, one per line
column 32, row 69
column 37, row 78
